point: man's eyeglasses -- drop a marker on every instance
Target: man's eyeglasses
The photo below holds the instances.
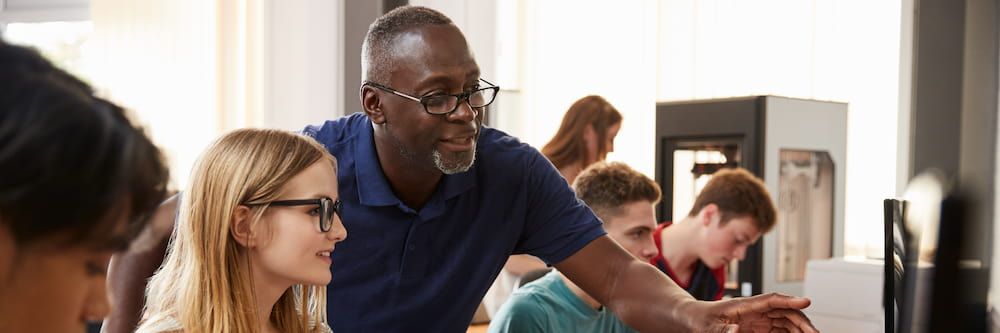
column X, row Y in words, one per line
column 442, row 104
column 327, row 208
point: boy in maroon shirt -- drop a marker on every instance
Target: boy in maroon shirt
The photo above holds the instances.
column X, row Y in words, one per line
column 730, row 214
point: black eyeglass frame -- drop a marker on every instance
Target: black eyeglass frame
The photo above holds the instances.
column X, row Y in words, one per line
column 458, row 97
column 328, row 208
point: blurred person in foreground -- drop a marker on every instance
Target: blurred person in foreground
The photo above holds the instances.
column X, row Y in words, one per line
column 78, row 183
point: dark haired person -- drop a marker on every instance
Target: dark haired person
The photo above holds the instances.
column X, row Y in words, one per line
column 436, row 203
column 77, row 180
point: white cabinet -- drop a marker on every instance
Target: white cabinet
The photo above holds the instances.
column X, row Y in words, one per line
column 846, row 295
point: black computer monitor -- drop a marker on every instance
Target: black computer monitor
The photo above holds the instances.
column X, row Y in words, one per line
column 941, row 290
column 893, row 254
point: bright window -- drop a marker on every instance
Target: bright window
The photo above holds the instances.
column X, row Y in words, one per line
column 63, row 43
column 638, row 53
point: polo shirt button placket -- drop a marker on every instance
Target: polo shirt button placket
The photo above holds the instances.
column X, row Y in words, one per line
column 415, row 224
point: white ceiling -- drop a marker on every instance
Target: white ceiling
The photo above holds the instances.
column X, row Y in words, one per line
column 43, row 10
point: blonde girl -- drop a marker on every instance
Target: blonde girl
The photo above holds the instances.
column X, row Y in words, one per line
column 251, row 249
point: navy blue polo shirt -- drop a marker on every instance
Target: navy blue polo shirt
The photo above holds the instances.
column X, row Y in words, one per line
column 406, row 270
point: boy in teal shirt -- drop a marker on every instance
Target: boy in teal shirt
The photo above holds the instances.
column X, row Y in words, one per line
column 623, row 199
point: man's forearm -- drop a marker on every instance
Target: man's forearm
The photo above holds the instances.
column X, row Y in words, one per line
column 648, row 301
column 645, row 299
column 638, row 293
column 129, row 271
column 127, row 277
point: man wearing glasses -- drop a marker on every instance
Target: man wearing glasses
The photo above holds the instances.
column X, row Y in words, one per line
column 435, row 203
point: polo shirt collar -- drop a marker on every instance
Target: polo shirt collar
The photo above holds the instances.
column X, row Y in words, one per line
column 373, row 187
column 459, row 183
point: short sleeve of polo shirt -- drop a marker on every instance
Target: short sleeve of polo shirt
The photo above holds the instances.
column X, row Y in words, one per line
column 558, row 224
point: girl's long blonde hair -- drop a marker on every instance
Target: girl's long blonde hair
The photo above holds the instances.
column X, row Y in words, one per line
column 205, row 283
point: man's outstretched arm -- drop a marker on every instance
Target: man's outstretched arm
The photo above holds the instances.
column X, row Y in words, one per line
column 645, row 299
column 130, row 270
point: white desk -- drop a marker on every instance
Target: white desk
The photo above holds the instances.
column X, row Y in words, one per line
column 846, row 295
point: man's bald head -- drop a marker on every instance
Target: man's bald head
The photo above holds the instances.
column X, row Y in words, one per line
column 376, row 52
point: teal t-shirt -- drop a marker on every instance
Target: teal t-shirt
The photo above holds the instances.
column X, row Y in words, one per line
column 547, row 305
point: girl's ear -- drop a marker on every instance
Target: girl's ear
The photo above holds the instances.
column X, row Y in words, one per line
column 240, row 227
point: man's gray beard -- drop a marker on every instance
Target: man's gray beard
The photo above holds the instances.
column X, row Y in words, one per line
column 463, row 161
column 439, row 162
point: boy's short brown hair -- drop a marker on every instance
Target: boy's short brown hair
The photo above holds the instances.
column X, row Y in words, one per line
column 738, row 193
column 605, row 187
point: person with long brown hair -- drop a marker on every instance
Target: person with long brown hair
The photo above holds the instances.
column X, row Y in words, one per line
column 252, row 244
column 586, row 136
